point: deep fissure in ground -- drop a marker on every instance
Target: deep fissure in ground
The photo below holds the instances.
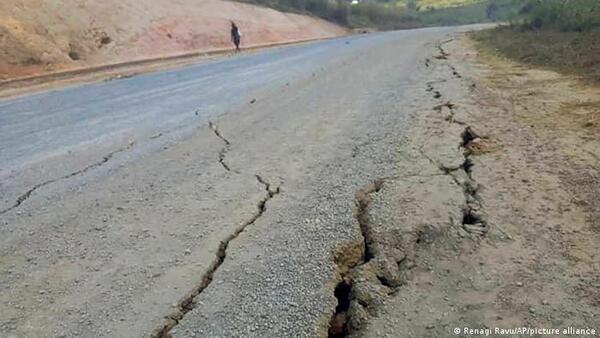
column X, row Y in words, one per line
column 473, row 219
column 339, row 324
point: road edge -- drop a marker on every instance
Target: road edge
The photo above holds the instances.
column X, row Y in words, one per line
column 36, row 83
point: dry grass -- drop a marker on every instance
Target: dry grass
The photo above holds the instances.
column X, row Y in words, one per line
column 576, row 53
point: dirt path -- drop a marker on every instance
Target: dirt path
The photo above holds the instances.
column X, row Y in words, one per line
column 525, row 253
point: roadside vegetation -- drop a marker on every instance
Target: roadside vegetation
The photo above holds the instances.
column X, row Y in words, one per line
column 398, row 14
column 562, row 35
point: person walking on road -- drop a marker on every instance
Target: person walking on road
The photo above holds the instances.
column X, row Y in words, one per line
column 236, row 36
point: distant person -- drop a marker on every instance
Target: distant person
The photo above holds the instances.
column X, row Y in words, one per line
column 236, row 36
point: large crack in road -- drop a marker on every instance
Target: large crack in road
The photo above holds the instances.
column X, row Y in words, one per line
column 186, row 304
column 26, row 195
column 378, row 271
column 223, row 152
column 473, row 216
column 340, row 325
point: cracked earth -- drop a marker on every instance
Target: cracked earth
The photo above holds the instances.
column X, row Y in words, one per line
column 521, row 253
column 435, row 196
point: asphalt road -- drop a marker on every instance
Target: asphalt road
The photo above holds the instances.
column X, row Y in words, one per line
column 158, row 102
column 120, row 203
column 101, row 117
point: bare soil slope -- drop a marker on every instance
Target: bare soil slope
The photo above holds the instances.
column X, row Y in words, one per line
column 41, row 36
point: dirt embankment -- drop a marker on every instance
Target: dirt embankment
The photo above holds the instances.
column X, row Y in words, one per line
column 38, row 37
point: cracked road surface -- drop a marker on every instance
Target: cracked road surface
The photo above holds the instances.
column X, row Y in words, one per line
column 210, row 200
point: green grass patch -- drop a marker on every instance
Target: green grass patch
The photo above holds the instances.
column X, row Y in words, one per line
column 569, row 52
column 473, row 12
column 563, row 15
